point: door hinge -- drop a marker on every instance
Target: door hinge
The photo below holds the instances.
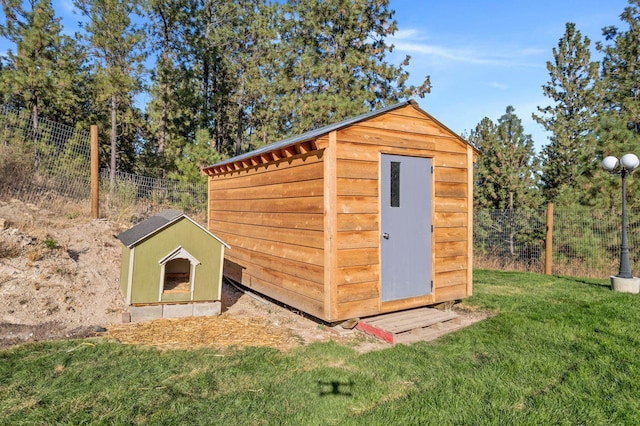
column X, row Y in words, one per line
column 431, row 228
column 431, row 169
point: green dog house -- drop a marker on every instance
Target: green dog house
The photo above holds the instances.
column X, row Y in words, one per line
column 171, row 267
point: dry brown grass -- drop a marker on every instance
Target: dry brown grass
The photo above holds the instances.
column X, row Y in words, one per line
column 502, row 264
column 16, row 166
column 198, row 332
column 9, row 250
column 573, row 268
column 35, row 253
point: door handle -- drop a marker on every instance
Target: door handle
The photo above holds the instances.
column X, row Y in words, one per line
column 385, row 236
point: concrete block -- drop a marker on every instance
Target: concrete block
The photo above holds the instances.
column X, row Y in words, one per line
column 126, row 317
column 625, row 285
column 207, row 309
column 177, row 311
column 145, row 313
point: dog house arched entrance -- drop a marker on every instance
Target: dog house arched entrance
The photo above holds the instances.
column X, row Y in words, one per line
column 177, row 276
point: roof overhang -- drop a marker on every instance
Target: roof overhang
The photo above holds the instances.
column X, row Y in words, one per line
column 307, row 142
column 259, row 157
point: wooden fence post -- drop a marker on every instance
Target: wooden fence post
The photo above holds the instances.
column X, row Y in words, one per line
column 95, row 174
column 548, row 245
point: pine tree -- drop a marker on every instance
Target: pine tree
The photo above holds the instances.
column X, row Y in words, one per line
column 196, row 155
column 192, row 84
column 31, row 73
column 333, row 61
column 116, row 46
column 507, row 167
column 163, row 16
column 252, row 72
column 618, row 125
column 621, row 68
column 251, row 42
column 571, row 117
column 70, row 103
column 170, row 112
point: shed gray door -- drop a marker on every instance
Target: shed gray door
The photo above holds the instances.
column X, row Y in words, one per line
column 406, row 226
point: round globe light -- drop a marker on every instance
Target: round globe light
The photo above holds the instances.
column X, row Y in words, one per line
column 630, row 162
column 610, row 163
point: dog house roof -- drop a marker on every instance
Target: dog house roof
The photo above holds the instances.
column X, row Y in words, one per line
column 154, row 224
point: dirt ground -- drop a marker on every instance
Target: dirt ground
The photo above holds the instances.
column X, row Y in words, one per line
column 59, row 279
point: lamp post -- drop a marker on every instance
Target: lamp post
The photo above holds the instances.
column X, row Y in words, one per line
column 624, row 281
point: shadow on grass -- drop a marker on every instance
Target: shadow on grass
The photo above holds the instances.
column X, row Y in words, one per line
column 335, row 387
column 592, row 282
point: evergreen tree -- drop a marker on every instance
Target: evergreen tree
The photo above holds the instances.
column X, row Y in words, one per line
column 31, row 73
column 71, row 101
column 196, row 155
column 116, row 46
column 618, row 125
column 253, row 72
column 163, row 15
column 333, row 61
column 47, row 73
column 191, row 85
column 621, row 68
column 571, row 117
column 252, row 42
column 170, row 115
column 507, row 168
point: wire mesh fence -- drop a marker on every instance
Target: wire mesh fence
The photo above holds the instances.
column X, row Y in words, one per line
column 586, row 242
column 509, row 239
column 44, row 162
column 42, row 159
column 151, row 193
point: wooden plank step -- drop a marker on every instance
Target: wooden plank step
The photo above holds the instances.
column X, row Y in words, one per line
column 414, row 323
column 420, row 322
column 407, row 320
column 408, row 314
column 429, row 333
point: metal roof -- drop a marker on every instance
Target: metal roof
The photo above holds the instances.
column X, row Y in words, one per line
column 154, row 224
column 149, row 226
column 312, row 134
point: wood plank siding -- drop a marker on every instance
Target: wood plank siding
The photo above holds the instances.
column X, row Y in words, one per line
column 401, row 132
column 304, row 228
column 272, row 216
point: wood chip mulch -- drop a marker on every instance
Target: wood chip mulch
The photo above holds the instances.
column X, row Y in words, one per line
column 202, row 332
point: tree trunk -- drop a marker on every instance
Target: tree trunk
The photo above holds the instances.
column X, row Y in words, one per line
column 164, row 86
column 206, row 65
column 163, row 120
column 239, row 132
column 512, row 249
column 34, row 128
column 112, row 165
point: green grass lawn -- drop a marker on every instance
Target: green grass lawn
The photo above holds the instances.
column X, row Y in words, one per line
column 559, row 351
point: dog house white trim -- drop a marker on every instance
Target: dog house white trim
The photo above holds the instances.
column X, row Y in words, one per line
column 178, row 253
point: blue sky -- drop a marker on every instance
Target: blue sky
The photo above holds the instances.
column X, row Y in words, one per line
column 485, row 55
column 482, row 55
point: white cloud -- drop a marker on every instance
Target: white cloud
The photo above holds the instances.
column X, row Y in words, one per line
column 534, row 51
column 405, row 34
column 496, row 85
column 470, row 56
column 411, row 41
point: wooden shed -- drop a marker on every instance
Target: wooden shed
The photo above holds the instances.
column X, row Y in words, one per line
column 367, row 216
column 171, row 266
